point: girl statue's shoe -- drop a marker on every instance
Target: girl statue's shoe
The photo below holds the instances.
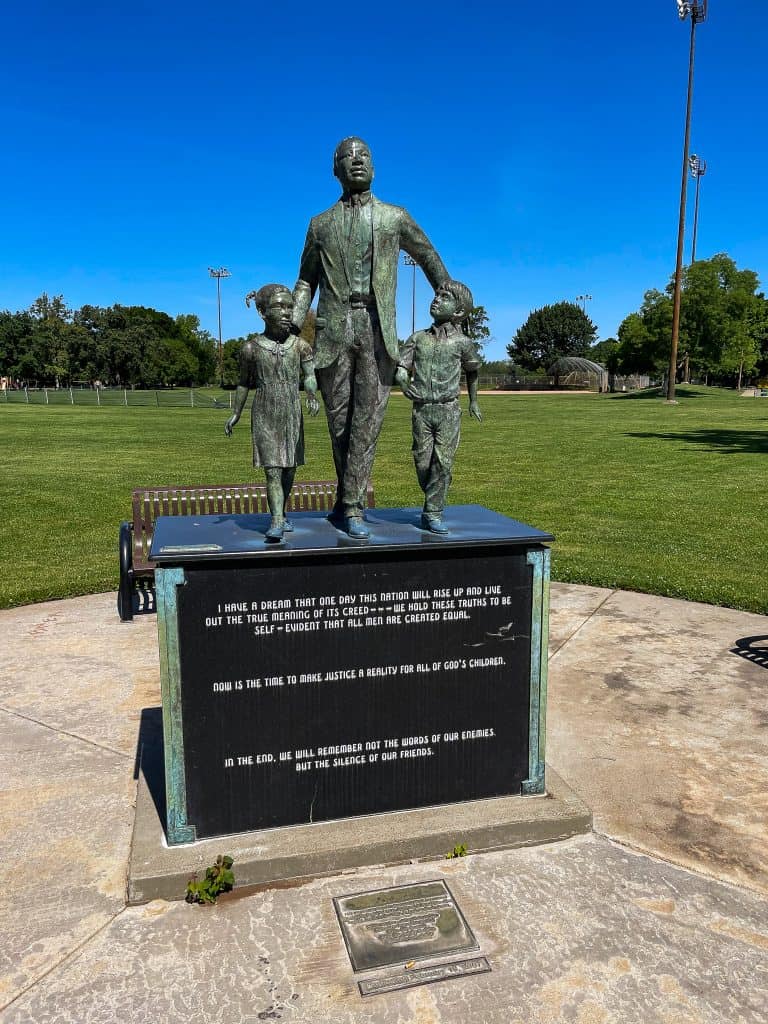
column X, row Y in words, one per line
column 276, row 529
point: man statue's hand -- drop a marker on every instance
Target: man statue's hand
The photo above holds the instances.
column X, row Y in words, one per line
column 229, row 424
column 402, row 378
column 312, row 404
column 474, row 410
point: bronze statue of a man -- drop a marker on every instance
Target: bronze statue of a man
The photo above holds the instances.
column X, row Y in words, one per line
column 351, row 255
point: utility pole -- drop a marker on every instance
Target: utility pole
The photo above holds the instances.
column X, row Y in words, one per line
column 218, row 274
column 409, row 261
column 697, row 11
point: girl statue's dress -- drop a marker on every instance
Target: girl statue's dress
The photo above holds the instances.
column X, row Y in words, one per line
column 273, row 369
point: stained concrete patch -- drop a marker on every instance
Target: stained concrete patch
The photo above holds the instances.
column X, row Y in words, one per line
column 570, row 607
column 578, row 932
column 76, row 667
column 658, row 725
column 65, row 819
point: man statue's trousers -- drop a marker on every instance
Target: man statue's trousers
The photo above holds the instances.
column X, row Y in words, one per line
column 355, row 390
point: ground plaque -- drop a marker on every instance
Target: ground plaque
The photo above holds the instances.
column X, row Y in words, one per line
column 392, row 982
column 329, row 678
column 397, row 925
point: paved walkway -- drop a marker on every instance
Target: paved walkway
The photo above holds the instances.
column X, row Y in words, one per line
column 657, row 719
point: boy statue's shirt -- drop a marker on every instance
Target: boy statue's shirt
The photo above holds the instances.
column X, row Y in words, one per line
column 435, row 358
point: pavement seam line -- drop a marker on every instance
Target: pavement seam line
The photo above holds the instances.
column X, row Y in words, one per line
column 64, row 959
column 581, row 625
column 63, row 732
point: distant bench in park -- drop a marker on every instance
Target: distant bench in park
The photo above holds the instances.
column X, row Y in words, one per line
column 137, row 572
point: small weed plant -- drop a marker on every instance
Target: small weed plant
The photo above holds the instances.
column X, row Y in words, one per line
column 219, row 878
column 459, row 850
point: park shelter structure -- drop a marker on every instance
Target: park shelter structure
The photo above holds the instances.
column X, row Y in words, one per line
column 575, row 371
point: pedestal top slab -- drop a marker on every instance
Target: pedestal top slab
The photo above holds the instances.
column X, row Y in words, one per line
column 226, row 536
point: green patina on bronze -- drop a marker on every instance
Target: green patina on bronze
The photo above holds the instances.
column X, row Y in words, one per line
column 178, row 829
column 540, row 561
column 429, row 373
column 273, row 364
column 350, row 256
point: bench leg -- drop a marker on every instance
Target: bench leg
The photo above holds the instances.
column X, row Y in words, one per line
column 125, row 591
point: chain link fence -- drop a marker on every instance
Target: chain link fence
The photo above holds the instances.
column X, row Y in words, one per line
column 171, row 398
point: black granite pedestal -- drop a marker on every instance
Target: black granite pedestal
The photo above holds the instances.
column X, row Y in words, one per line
column 326, row 678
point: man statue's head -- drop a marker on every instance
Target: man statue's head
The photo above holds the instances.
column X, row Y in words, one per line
column 352, row 164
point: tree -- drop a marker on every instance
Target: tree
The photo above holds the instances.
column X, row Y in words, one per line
column 500, row 367
column 231, row 362
column 723, row 324
column 606, row 353
column 644, row 337
column 562, row 329
column 16, row 330
column 476, row 326
column 201, row 344
column 717, row 315
column 51, row 318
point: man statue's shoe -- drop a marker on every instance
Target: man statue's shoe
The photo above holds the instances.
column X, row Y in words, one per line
column 288, row 526
column 434, row 524
column 276, row 528
column 337, row 518
column 356, row 528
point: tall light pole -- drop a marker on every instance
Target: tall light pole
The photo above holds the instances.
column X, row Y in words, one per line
column 409, row 261
column 584, row 299
column 218, row 274
column 698, row 168
column 697, row 11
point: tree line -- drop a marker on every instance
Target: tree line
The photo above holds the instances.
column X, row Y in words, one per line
column 51, row 345
column 723, row 329
column 723, row 338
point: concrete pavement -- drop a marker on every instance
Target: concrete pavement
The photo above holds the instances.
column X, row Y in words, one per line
column 657, row 719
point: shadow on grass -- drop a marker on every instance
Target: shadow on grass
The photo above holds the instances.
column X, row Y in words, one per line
column 680, row 392
column 725, row 441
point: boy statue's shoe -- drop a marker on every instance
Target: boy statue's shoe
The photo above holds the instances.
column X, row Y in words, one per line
column 356, row 528
column 434, row 524
column 276, row 528
column 288, row 526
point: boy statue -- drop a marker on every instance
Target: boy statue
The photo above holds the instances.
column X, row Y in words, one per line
column 272, row 364
column 429, row 371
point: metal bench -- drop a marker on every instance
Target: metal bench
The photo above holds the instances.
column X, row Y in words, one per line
column 137, row 572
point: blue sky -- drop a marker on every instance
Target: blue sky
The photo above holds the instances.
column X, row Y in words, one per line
column 538, row 145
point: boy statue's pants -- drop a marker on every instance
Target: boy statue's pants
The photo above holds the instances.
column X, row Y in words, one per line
column 436, row 431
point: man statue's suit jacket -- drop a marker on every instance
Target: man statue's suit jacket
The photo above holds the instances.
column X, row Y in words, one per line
column 324, row 265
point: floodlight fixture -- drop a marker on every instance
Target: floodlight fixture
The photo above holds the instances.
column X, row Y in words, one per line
column 584, row 299
column 698, row 166
column 218, row 273
column 697, row 9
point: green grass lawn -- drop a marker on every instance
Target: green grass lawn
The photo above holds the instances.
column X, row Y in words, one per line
column 640, row 495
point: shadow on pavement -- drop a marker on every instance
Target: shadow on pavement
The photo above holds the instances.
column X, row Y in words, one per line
column 752, row 648
column 150, row 756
